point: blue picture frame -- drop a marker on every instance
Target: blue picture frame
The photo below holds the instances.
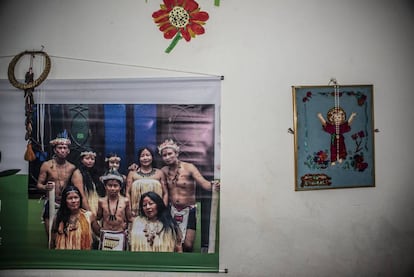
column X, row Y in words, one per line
column 334, row 136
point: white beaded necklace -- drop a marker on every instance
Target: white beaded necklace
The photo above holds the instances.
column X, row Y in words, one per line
column 337, row 108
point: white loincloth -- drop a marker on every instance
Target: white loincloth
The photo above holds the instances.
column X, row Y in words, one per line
column 181, row 217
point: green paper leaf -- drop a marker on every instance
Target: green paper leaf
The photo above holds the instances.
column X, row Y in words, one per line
column 217, row 3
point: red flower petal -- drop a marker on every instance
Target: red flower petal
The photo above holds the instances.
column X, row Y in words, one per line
column 169, row 3
column 197, row 28
column 179, row 3
column 200, row 16
column 185, row 34
column 170, row 33
column 161, row 19
column 159, row 13
column 191, row 5
column 165, row 26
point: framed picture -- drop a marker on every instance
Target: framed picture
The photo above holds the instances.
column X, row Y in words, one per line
column 334, row 137
column 118, row 116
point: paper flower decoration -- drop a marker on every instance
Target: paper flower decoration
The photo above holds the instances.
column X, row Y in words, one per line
column 179, row 19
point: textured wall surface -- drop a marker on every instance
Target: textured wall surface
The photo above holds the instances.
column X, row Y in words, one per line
column 261, row 48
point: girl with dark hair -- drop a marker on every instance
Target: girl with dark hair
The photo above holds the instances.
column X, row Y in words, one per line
column 86, row 179
column 72, row 227
column 145, row 178
column 155, row 230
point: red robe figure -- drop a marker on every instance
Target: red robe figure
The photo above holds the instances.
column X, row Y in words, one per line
column 336, row 125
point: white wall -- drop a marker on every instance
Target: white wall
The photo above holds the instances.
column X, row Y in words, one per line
column 262, row 48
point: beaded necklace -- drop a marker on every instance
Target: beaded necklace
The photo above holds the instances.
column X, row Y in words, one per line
column 144, row 174
column 337, row 133
column 112, row 216
column 175, row 173
column 61, row 179
column 72, row 224
column 151, row 230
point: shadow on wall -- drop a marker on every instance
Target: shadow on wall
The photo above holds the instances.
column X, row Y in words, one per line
column 8, row 172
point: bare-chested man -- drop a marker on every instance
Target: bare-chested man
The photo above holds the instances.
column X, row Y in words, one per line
column 182, row 178
column 115, row 212
column 55, row 174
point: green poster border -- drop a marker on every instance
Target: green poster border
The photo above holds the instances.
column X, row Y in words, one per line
column 16, row 252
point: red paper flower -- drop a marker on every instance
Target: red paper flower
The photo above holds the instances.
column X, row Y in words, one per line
column 180, row 19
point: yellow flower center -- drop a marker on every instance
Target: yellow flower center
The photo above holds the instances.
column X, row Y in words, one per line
column 179, row 17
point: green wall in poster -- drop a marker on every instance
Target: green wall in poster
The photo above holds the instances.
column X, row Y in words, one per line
column 13, row 201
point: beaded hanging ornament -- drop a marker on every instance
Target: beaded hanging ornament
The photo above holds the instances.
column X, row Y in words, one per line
column 337, row 108
column 28, row 87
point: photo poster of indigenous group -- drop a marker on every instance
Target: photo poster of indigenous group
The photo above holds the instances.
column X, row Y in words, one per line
column 334, row 137
column 165, row 144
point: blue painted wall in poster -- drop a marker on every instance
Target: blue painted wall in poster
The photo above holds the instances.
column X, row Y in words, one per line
column 115, row 131
column 145, row 118
column 145, row 129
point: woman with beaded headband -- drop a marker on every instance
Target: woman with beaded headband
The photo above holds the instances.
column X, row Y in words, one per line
column 72, row 226
column 336, row 125
column 86, row 179
column 54, row 176
column 145, row 178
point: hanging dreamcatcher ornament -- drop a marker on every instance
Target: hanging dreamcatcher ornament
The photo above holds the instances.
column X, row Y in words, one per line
column 30, row 82
column 179, row 19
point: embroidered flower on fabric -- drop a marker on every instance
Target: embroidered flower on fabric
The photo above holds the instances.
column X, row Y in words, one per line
column 179, row 19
